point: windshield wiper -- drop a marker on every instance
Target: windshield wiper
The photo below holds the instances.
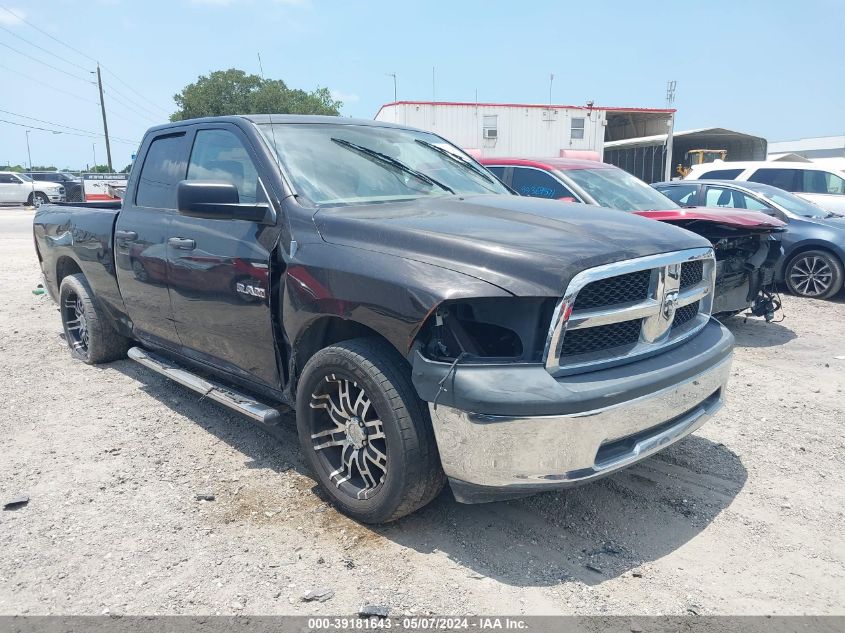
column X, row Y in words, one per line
column 455, row 159
column 389, row 160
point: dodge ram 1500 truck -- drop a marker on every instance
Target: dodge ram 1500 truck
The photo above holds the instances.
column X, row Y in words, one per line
column 425, row 324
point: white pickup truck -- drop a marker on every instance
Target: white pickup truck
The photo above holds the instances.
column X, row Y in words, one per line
column 21, row 189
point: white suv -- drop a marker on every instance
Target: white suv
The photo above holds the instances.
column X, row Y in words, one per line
column 824, row 186
column 21, row 189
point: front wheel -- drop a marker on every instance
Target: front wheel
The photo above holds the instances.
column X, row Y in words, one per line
column 37, row 199
column 365, row 433
column 89, row 335
column 816, row 274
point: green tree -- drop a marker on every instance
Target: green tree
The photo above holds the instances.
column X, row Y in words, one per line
column 234, row 92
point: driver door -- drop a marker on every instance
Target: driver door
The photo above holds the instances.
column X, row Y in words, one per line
column 219, row 269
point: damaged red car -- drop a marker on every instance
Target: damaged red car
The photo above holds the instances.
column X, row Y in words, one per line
column 745, row 242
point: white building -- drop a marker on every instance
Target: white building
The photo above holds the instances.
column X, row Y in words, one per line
column 826, row 150
column 524, row 129
column 817, row 147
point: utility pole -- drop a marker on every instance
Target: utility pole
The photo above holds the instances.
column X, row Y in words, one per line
column 94, row 149
column 105, row 123
column 670, row 99
column 551, row 81
column 29, row 157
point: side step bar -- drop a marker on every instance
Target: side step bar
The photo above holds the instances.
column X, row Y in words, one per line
column 225, row 396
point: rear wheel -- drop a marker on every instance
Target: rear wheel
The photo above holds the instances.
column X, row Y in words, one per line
column 817, row 274
column 89, row 335
column 365, row 433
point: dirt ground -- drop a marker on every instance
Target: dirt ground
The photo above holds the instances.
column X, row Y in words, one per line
column 744, row 517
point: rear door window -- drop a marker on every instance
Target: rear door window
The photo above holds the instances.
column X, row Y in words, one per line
column 786, row 179
column 164, row 166
column 814, row 181
column 527, row 181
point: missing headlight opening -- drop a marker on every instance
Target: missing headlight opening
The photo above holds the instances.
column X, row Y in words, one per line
column 512, row 329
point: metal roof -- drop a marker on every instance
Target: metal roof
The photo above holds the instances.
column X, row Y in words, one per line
column 703, row 134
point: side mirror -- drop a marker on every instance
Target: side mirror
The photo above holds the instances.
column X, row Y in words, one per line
column 215, row 200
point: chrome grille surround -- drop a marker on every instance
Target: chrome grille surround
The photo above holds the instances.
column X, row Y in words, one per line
column 657, row 310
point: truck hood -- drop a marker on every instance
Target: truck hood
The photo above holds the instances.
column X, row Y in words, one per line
column 527, row 246
column 727, row 217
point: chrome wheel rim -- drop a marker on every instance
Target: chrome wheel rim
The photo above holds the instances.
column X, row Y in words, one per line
column 348, row 437
column 76, row 323
column 811, row 276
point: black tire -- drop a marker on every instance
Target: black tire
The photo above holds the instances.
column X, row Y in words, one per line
column 89, row 335
column 37, row 198
column 816, row 274
column 412, row 475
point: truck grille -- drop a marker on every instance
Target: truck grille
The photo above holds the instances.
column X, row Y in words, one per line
column 596, row 339
column 614, row 290
column 691, row 273
column 619, row 311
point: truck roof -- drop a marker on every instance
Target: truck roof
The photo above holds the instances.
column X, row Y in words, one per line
column 279, row 118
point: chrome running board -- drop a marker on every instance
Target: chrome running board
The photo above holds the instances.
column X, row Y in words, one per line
column 213, row 391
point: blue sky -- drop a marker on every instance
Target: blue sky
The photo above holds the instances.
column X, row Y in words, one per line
column 770, row 68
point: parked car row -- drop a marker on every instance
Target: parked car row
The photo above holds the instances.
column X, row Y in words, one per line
column 820, row 185
column 745, row 242
column 812, row 238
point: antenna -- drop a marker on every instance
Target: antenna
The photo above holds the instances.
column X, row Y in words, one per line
column 670, row 92
column 394, row 85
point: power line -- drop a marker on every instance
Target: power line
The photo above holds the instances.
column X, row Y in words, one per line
column 51, row 87
column 129, row 107
column 77, row 51
column 44, row 129
column 69, row 127
column 114, row 91
column 23, row 39
column 40, row 30
column 156, row 106
column 35, row 59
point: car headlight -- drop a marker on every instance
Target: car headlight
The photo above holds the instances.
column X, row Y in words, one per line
column 505, row 329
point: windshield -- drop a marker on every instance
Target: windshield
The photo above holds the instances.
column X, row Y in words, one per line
column 794, row 204
column 24, row 177
column 334, row 164
column 617, row 189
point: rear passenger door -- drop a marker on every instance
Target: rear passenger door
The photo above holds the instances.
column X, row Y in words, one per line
column 219, row 269
column 141, row 233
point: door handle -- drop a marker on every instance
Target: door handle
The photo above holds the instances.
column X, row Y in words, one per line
column 126, row 236
column 182, row 243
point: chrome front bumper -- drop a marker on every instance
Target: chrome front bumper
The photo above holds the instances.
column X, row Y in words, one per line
column 512, row 455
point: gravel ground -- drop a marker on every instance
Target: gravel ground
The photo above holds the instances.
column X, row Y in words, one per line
column 743, row 517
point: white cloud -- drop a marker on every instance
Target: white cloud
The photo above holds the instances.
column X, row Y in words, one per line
column 7, row 19
column 345, row 97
